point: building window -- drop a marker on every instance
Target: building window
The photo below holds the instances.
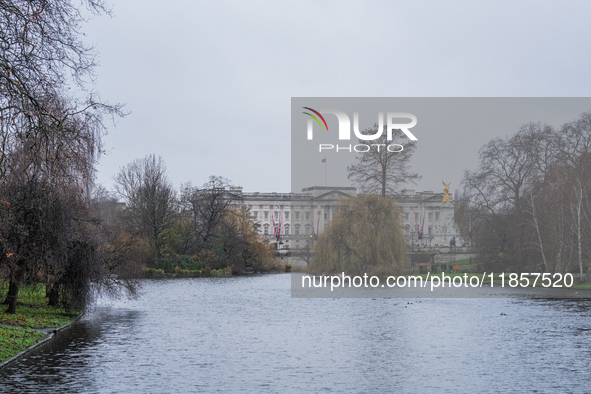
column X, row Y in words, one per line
column 307, row 230
column 266, row 232
column 297, row 230
column 266, row 215
column 430, row 216
column 436, row 215
column 429, row 229
column 297, row 215
column 307, row 216
column 325, row 215
column 276, row 215
column 286, row 215
column 405, row 215
column 286, row 230
column 256, row 215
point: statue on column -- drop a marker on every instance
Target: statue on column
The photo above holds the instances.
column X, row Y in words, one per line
column 447, row 196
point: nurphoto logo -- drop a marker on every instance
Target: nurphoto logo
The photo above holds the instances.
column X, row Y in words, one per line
column 345, row 124
column 345, row 129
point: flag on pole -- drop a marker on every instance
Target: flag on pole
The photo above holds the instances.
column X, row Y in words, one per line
column 274, row 228
column 324, row 160
column 318, row 226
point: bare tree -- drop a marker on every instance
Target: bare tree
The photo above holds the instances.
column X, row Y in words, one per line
column 52, row 168
column 44, row 70
column 34, row 224
column 385, row 167
column 542, row 146
column 51, row 127
column 505, row 165
column 50, row 234
column 576, row 144
column 306, row 252
column 207, row 205
column 149, row 197
column 531, row 194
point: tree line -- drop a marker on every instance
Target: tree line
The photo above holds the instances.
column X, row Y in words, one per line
column 527, row 207
column 56, row 226
column 197, row 229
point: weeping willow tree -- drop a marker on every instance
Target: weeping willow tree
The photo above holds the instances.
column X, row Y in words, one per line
column 364, row 237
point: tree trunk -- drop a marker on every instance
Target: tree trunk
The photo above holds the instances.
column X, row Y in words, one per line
column 53, row 295
column 12, row 297
column 7, row 299
column 580, row 197
column 537, row 226
column 560, row 241
column 13, row 289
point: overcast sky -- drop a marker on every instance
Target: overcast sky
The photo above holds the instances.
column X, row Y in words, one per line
column 209, row 84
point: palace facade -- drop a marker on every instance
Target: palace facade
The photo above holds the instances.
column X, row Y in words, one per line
column 426, row 221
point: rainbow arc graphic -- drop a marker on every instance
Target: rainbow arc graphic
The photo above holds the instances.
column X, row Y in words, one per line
column 315, row 118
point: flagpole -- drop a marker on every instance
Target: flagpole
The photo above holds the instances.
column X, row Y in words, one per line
column 325, row 172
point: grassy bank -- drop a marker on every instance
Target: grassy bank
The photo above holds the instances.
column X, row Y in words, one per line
column 20, row 330
column 470, row 266
column 154, row 273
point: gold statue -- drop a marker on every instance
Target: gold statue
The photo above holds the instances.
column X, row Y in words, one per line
column 447, row 196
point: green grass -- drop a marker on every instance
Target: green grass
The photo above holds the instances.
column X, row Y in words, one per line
column 582, row 286
column 28, row 294
column 19, row 331
column 464, row 262
column 37, row 316
column 14, row 340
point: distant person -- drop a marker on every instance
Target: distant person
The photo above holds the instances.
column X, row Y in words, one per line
column 451, row 268
column 410, row 268
column 457, row 268
column 443, row 267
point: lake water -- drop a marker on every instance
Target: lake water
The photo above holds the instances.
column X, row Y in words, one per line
column 246, row 334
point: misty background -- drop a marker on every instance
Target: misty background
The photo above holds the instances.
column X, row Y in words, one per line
column 209, row 84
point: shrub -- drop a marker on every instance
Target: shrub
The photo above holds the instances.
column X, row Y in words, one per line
column 181, row 273
column 218, row 272
column 152, row 273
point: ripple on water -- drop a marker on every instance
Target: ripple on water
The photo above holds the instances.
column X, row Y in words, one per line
column 247, row 334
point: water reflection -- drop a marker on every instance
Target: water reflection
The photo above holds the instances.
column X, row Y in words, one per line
column 71, row 350
column 248, row 335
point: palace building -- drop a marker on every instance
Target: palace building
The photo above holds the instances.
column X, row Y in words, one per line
column 298, row 217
